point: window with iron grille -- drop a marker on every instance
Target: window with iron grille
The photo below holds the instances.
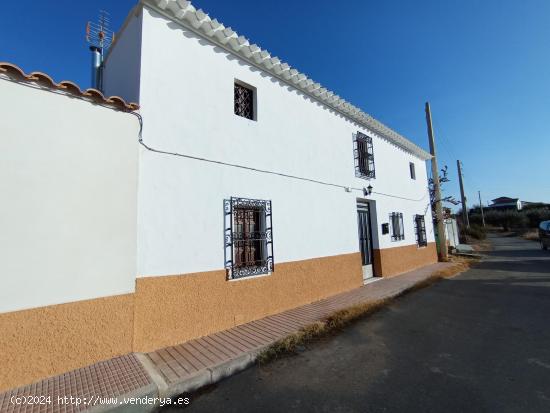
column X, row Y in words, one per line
column 244, row 101
column 412, row 169
column 248, row 237
column 364, row 156
column 420, row 230
column 397, row 229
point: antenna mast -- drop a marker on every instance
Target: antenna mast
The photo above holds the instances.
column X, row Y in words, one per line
column 100, row 37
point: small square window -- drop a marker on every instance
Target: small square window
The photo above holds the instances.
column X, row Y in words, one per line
column 397, row 230
column 413, row 171
column 244, row 101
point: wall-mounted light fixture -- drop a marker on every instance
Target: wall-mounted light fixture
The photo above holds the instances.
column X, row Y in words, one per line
column 367, row 191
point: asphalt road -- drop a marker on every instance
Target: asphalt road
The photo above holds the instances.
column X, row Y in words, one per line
column 479, row 342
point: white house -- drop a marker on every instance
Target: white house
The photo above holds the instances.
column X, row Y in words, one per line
column 252, row 176
column 241, row 189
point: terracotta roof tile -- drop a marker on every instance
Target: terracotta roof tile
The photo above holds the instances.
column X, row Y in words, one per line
column 14, row 72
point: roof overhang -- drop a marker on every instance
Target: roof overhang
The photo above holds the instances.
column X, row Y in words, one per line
column 184, row 13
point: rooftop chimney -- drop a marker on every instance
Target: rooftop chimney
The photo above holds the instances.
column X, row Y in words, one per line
column 97, row 68
column 100, row 38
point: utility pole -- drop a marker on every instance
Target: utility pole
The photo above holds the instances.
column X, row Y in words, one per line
column 481, row 207
column 465, row 219
column 441, row 238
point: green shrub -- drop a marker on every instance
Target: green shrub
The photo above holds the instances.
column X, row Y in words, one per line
column 536, row 215
column 475, row 219
column 475, row 231
column 512, row 219
column 506, row 219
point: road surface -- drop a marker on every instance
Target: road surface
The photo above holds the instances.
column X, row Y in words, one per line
column 479, row 342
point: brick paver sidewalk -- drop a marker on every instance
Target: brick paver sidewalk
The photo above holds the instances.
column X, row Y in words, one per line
column 185, row 367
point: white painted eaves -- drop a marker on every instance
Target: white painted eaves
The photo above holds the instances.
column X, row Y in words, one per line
column 184, row 13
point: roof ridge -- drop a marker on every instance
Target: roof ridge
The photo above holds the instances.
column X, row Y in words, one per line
column 183, row 12
column 15, row 72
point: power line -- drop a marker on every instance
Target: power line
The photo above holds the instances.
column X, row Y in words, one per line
column 449, row 148
column 265, row 171
column 140, row 140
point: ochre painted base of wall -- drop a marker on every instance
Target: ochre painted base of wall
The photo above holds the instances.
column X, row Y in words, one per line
column 393, row 261
column 167, row 310
column 173, row 309
column 46, row 341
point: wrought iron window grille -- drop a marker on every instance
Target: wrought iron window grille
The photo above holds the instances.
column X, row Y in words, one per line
column 244, row 101
column 412, row 170
column 364, row 156
column 420, row 230
column 397, row 229
column 248, row 237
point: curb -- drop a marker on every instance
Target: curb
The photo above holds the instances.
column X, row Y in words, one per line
column 161, row 389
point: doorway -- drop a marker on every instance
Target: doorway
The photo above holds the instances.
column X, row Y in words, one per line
column 365, row 239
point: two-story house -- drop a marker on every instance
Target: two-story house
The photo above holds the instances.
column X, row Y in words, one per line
column 254, row 190
column 259, row 189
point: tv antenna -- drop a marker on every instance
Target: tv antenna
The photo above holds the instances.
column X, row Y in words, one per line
column 99, row 34
column 100, row 37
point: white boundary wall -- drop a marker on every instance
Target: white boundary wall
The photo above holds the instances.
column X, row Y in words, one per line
column 68, row 179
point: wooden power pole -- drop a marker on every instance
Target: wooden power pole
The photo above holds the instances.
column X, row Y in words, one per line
column 481, row 208
column 441, row 238
column 465, row 218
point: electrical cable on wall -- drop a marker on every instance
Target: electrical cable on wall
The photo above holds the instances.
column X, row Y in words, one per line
column 140, row 139
column 198, row 158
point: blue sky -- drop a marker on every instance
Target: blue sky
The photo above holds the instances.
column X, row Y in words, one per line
column 483, row 65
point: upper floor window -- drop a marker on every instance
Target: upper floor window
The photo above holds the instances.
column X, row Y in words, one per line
column 364, row 156
column 412, row 170
column 397, row 229
column 248, row 237
column 420, row 230
column 244, row 101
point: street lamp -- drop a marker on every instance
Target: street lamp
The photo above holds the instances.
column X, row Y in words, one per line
column 367, row 191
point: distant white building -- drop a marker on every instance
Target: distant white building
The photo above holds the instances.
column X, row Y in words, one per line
column 505, row 202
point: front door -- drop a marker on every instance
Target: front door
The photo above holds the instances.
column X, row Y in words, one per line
column 365, row 239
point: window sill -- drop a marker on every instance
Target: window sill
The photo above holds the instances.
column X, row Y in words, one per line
column 365, row 177
column 245, row 118
column 250, row 277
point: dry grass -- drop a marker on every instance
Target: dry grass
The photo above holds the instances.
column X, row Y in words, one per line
column 531, row 235
column 334, row 322
column 339, row 319
column 482, row 246
column 342, row 318
column 289, row 344
column 460, row 264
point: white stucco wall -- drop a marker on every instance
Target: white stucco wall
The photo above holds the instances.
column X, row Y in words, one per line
column 122, row 68
column 186, row 94
column 68, row 179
